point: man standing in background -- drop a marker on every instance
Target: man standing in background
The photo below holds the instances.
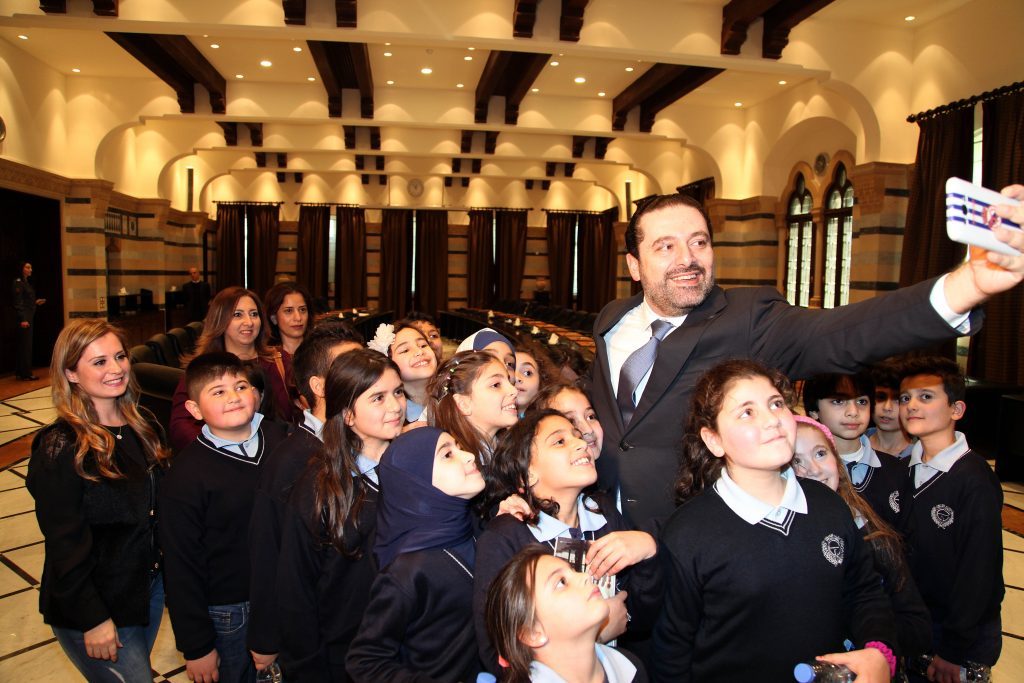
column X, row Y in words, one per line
column 25, row 303
column 197, row 295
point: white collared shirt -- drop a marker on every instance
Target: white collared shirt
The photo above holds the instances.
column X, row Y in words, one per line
column 367, row 467
column 628, row 335
column 549, row 528
column 617, row 667
column 247, row 448
column 413, row 410
column 313, row 423
column 860, row 460
column 942, row 462
column 751, row 510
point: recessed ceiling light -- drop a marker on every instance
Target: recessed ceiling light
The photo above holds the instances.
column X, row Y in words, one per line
column 601, row 94
column 782, row 82
column 470, row 48
column 386, row 44
column 426, row 71
column 534, row 89
column 77, row 71
column 737, row 104
column 387, row 54
column 266, row 63
column 629, row 69
column 296, row 49
column 206, row 35
column 909, row 18
column 391, row 82
column 310, row 78
column 579, row 79
column 555, row 63
column 23, row 36
column 459, row 85
column 215, row 46
column 239, row 76
column 468, row 58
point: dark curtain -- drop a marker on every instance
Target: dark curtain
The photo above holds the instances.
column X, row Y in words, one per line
column 431, row 261
column 350, row 258
column 511, row 254
column 943, row 150
column 264, row 226
column 395, row 262
column 480, row 260
column 561, row 227
column 230, row 241
column 597, row 259
column 995, row 352
column 314, row 225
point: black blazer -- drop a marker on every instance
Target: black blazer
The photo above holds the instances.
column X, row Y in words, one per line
column 643, row 457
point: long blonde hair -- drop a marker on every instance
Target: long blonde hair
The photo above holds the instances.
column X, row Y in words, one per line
column 75, row 407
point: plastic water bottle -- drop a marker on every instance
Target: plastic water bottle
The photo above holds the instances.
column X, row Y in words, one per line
column 270, row 674
column 485, row 677
column 970, row 672
column 822, row 672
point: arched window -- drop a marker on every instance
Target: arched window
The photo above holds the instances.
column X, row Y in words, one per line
column 800, row 245
column 838, row 240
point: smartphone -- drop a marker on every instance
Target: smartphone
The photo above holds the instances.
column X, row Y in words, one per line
column 970, row 218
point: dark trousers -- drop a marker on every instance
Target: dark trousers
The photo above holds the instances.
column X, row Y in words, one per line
column 23, row 356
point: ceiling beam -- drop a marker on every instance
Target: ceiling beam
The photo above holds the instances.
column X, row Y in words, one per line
column 104, row 8
column 230, row 129
column 571, row 21
column 781, row 19
column 54, row 6
column 508, row 74
column 736, row 19
column 490, row 141
column 177, row 62
column 658, row 87
column 344, row 66
column 294, row 12
column 524, row 16
column 466, row 142
column 686, row 82
column 345, row 11
column 601, row 147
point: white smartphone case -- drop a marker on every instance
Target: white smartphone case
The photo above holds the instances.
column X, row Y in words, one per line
column 970, row 218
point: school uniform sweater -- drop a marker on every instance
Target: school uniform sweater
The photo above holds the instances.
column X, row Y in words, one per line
column 505, row 536
column 881, row 479
column 956, row 556
column 322, row 592
column 748, row 601
column 205, row 506
column 418, row 626
column 278, row 473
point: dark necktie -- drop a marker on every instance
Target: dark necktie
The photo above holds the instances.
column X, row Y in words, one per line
column 636, row 366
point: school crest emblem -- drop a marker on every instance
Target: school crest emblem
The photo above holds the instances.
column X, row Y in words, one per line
column 942, row 515
column 832, row 549
column 894, row 501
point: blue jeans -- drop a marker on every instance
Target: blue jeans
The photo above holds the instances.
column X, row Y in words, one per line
column 132, row 665
column 231, row 622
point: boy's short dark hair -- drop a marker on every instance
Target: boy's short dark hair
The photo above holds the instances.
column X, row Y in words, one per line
column 313, row 357
column 888, row 374
column 953, row 381
column 833, row 385
column 419, row 316
column 208, row 367
column 342, row 327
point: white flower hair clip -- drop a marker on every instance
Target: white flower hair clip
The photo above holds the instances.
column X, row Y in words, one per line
column 553, row 340
column 383, row 338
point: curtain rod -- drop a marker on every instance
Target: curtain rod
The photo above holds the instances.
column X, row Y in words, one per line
column 342, row 204
column 248, row 203
column 579, row 211
column 423, row 208
column 967, row 102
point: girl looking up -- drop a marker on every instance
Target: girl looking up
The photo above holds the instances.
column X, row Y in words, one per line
column 473, row 400
column 494, row 343
column 544, row 619
column 532, row 371
column 411, row 352
column 544, row 460
column 418, row 625
column 763, row 571
column 569, row 400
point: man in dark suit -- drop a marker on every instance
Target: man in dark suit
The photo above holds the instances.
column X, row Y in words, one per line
column 25, row 302
column 669, row 251
column 197, row 295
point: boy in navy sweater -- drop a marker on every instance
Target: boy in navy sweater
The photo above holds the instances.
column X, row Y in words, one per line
column 956, row 551
column 205, row 504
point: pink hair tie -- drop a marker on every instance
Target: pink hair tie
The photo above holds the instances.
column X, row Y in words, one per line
column 890, row 658
column 803, row 419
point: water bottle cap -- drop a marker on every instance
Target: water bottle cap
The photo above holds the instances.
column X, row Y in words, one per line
column 803, row 673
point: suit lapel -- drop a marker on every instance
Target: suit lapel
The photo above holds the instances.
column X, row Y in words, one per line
column 604, row 392
column 673, row 353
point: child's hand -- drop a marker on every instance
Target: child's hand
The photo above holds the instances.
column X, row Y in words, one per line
column 262, row 661
column 101, row 641
column 620, row 549
column 204, row 669
column 617, row 618
column 515, row 506
column 942, row 671
column 868, row 664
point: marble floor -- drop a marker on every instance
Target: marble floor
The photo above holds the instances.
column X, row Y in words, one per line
column 30, row 654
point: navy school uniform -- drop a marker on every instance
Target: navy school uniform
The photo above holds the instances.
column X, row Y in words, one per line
column 881, row 479
column 754, row 590
column 505, row 536
column 323, row 592
column 205, row 504
column 278, row 473
column 956, row 552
